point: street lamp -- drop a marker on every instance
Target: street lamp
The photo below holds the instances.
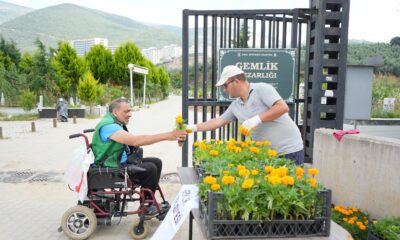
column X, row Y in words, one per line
column 130, row 66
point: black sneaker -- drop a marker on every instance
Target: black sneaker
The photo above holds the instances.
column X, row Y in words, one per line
column 151, row 211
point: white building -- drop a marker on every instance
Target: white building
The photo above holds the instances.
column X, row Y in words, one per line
column 82, row 46
column 153, row 54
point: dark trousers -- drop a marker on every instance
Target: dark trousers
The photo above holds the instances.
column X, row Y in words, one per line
column 296, row 157
column 151, row 177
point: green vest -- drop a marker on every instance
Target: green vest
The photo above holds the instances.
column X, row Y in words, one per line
column 106, row 154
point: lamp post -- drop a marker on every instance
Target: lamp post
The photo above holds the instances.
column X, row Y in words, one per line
column 130, row 66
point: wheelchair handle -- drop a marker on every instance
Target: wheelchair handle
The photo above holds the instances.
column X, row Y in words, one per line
column 88, row 130
column 81, row 135
column 75, row 135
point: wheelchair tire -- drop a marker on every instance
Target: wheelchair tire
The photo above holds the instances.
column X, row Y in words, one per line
column 79, row 222
column 136, row 232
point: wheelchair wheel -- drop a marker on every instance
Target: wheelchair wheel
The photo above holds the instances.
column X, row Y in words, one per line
column 137, row 232
column 79, row 222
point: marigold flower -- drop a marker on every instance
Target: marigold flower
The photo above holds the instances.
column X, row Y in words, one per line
column 268, row 169
column 210, row 180
column 345, row 219
column 299, row 171
column 282, row 171
column 244, row 144
column 228, row 180
column 313, row 171
column 248, row 183
column 259, row 144
column 215, row 187
column 272, row 153
column 237, row 149
column 250, row 142
column 178, row 119
column 288, row 180
column 240, row 167
column 299, row 177
column 274, row 179
column 268, row 143
column 254, row 150
column 203, row 147
column 244, row 172
column 362, row 227
column 254, row 172
column 351, row 221
column 312, row 182
column 213, row 153
column 197, row 143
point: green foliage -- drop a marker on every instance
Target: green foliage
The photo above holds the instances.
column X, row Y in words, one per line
column 164, row 80
column 110, row 93
column 395, row 41
column 19, row 117
column 89, row 90
column 9, row 53
column 385, row 87
column 27, row 100
column 387, row 229
column 68, row 67
column 125, row 54
column 100, row 61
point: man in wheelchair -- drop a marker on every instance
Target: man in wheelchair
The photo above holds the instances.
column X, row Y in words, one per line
column 113, row 146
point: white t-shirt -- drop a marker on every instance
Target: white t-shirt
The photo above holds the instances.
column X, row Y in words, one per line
column 282, row 132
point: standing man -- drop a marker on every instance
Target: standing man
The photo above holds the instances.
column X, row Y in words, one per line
column 114, row 146
column 262, row 112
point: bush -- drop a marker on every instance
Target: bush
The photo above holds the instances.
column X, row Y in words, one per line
column 351, row 219
column 386, row 229
column 27, row 100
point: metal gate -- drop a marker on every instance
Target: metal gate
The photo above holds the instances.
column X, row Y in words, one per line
column 321, row 61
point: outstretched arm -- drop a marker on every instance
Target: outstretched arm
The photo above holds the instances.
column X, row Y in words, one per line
column 209, row 125
column 141, row 140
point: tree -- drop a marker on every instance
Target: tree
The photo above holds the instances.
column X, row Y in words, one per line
column 89, row 90
column 10, row 51
column 395, row 41
column 125, row 54
column 100, row 61
column 27, row 100
column 164, row 81
column 69, row 67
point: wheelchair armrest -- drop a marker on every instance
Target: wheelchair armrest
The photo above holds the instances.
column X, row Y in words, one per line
column 135, row 169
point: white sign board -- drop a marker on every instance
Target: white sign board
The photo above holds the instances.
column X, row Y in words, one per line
column 388, row 104
column 141, row 70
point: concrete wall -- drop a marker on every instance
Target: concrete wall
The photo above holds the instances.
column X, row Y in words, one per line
column 362, row 171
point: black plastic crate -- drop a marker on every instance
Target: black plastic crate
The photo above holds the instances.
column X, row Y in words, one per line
column 371, row 236
column 222, row 228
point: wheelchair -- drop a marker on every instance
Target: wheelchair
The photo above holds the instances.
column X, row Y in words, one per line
column 109, row 192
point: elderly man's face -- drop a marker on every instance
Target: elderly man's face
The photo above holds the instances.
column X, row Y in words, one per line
column 123, row 113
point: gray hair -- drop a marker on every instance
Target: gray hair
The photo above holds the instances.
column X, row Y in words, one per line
column 115, row 104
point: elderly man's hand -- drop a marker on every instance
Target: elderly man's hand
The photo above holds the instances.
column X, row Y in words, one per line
column 177, row 135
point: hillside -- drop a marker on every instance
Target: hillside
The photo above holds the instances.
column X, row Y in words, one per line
column 68, row 21
column 10, row 11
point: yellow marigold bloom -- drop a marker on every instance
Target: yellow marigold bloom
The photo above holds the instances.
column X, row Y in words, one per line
column 248, row 183
column 179, row 119
column 337, row 208
column 203, row 147
column 313, row 171
column 240, row 167
column 354, row 209
column 312, row 182
column 268, row 169
column 228, row 180
column 288, row 180
column 215, row 187
column 299, row 171
column 299, row 177
column 254, row 172
column 268, row 143
column 366, row 222
column 351, row 221
column 272, row 153
column 210, row 180
column 197, row 143
column 213, row 153
column 231, row 141
column 254, row 150
column 244, row 144
column 274, row 180
column 259, row 144
column 237, row 149
column 250, row 142
column 209, row 146
column 244, row 172
column 345, row 219
column 282, row 171
column 362, row 227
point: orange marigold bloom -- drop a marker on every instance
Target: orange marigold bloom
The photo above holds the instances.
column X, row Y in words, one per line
column 244, row 144
column 240, row 167
column 203, row 147
column 312, row 182
column 213, row 153
column 215, row 187
column 250, row 142
column 254, row 150
column 299, row 171
column 288, row 180
column 248, row 183
column 362, row 227
column 268, row 169
column 282, row 171
column 274, row 180
column 313, row 171
column 272, row 153
column 210, row 180
column 228, row 180
column 345, row 219
column 351, row 221
column 237, row 149
column 259, row 144
column 244, row 172
column 299, row 177
column 254, row 172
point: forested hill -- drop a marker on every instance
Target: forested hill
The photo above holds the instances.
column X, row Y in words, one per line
column 9, row 11
column 68, row 21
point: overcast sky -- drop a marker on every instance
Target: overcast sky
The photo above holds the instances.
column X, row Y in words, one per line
column 372, row 20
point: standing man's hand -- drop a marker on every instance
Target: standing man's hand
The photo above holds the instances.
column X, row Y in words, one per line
column 248, row 125
column 191, row 128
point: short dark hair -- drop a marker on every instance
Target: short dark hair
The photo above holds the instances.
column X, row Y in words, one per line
column 115, row 104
